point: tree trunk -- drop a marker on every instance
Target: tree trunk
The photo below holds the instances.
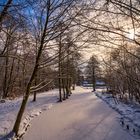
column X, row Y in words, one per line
column 25, row 98
column 60, row 75
column 64, row 92
column 60, row 93
column 4, row 11
column 93, row 78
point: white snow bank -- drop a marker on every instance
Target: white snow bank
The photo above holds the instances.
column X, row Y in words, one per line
column 9, row 110
column 130, row 113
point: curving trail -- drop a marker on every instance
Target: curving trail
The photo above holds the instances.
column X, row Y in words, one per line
column 82, row 117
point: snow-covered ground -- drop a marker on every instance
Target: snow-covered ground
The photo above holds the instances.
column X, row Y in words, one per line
column 130, row 113
column 82, row 117
column 9, row 110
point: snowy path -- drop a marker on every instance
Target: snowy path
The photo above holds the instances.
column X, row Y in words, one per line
column 82, row 117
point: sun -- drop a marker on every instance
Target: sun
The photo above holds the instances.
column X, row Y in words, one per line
column 131, row 34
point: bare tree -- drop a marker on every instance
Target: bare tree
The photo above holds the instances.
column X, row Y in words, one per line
column 46, row 36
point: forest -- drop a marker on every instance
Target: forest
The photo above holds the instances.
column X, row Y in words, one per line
column 48, row 44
